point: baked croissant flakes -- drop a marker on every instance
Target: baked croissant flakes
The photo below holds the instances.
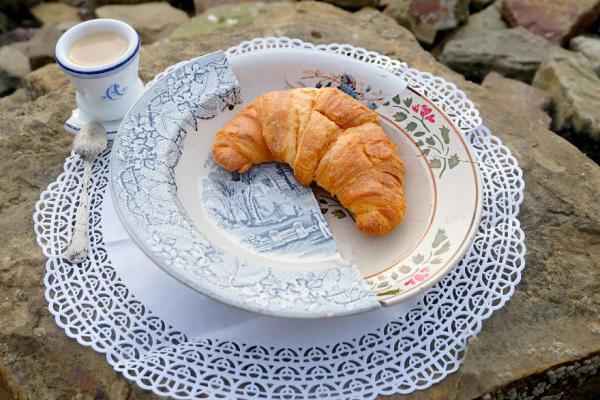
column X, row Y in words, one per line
column 328, row 137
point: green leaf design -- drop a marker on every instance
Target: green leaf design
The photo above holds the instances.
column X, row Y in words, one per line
column 411, row 126
column 430, row 141
column 444, row 248
column 436, row 261
column 440, row 237
column 339, row 214
column 435, row 163
column 453, row 161
column 394, row 276
column 408, row 101
column 389, row 292
column 445, row 131
column 396, row 99
column 387, row 103
column 405, row 269
column 418, row 134
column 418, row 259
column 420, row 143
column 383, row 284
column 426, row 152
column 399, row 117
column 380, row 277
column 323, row 210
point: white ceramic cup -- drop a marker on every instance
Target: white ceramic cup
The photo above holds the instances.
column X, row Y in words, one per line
column 104, row 92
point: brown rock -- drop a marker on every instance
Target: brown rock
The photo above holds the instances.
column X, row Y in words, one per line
column 575, row 91
column 527, row 101
column 55, row 13
column 49, row 78
column 153, row 21
column 17, row 35
column 13, row 101
column 555, row 21
column 430, row 16
column 398, row 10
column 548, row 324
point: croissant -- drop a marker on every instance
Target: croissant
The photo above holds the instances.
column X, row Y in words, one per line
column 327, row 137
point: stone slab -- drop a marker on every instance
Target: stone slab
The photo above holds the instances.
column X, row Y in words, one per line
column 550, row 322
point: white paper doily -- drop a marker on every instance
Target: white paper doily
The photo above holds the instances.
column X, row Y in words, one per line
column 93, row 305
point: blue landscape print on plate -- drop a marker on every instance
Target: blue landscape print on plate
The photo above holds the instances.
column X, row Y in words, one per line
column 268, row 211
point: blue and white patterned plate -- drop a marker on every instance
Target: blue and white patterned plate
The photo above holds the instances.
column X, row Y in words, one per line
column 260, row 240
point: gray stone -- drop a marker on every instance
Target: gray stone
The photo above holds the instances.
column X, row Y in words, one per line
column 480, row 24
column 515, row 53
column 17, row 35
column 575, row 92
column 550, row 322
column 14, row 65
column 589, row 47
column 12, row 102
column 40, row 48
column 55, row 13
column 521, row 98
column 153, row 21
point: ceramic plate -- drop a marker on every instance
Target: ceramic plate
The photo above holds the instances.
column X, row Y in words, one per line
column 260, row 240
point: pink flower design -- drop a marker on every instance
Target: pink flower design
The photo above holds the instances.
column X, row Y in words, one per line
column 425, row 110
column 419, row 277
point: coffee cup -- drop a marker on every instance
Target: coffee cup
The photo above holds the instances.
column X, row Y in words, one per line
column 101, row 58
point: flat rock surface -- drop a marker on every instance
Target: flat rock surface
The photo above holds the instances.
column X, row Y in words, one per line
column 55, row 13
column 555, row 21
column 521, row 98
column 153, row 21
column 550, row 322
column 575, row 89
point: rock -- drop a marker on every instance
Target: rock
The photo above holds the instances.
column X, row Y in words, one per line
column 201, row 6
column 549, row 323
column 589, row 47
column 17, row 35
column 49, row 78
column 55, row 13
column 430, row 16
column 480, row 24
column 3, row 22
column 354, row 4
column 223, row 17
column 153, row 21
column 479, row 5
column 555, row 21
column 40, row 48
column 13, row 101
column 515, row 53
column 398, row 10
column 13, row 66
column 521, row 98
column 575, row 92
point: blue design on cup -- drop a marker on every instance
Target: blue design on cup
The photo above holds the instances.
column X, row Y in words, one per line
column 114, row 91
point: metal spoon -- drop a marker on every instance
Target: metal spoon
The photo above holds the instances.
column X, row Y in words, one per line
column 88, row 143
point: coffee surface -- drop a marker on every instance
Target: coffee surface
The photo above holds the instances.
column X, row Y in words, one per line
column 98, row 49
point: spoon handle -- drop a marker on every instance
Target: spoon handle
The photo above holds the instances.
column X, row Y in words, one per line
column 77, row 250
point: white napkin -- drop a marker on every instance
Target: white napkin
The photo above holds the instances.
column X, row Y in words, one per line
column 199, row 316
